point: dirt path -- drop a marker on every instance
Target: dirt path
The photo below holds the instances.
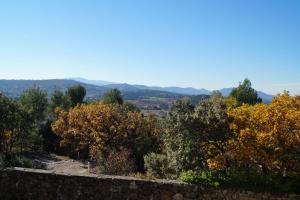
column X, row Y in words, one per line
column 61, row 164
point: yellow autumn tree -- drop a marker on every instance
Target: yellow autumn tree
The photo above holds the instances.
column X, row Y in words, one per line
column 101, row 126
column 266, row 137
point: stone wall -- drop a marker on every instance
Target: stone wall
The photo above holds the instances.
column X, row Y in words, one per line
column 19, row 183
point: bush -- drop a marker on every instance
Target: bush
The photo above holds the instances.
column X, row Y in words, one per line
column 20, row 161
column 157, row 165
column 245, row 179
column 252, row 180
column 206, row 178
column 103, row 127
column 116, row 163
column 194, row 134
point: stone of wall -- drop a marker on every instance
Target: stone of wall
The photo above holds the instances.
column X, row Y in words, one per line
column 19, row 183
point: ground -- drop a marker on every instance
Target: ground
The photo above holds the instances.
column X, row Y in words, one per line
column 63, row 164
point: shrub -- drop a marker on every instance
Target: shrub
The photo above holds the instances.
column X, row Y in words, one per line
column 157, row 165
column 192, row 135
column 20, row 161
column 250, row 179
column 246, row 179
column 206, row 178
column 265, row 137
column 102, row 127
column 116, row 163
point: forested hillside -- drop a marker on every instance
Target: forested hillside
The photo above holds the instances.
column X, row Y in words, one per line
column 14, row 88
column 145, row 99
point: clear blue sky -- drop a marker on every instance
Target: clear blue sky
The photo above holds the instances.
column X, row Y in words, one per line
column 204, row 44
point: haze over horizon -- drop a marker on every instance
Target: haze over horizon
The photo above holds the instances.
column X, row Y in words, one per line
column 200, row 44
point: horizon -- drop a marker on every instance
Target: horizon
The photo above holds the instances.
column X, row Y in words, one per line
column 135, row 84
column 198, row 44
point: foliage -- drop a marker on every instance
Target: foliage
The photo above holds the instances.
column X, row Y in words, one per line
column 113, row 96
column 35, row 102
column 266, row 137
column 61, row 100
column 244, row 93
column 157, row 165
column 241, row 178
column 106, row 126
column 236, row 142
column 249, row 179
column 51, row 141
column 15, row 125
column 19, row 161
column 76, row 94
column 207, row 178
column 196, row 99
column 116, row 163
column 73, row 95
column 131, row 107
column 194, row 134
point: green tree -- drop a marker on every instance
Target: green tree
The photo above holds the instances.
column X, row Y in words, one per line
column 216, row 94
column 51, row 141
column 76, row 94
column 128, row 106
column 15, row 125
column 59, row 99
column 244, row 93
column 35, row 101
column 113, row 96
column 191, row 135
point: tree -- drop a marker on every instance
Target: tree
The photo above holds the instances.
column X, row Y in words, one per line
column 130, row 107
column 51, row 141
column 192, row 135
column 15, row 125
column 113, row 96
column 76, row 94
column 266, row 138
column 244, row 93
column 59, row 99
column 105, row 128
column 35, row 101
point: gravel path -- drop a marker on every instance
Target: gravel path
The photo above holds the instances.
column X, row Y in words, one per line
column 62, row 164
column 66, row 165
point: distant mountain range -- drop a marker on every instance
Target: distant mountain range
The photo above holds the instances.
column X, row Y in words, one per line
column 96, row 88
column 179, row 90
column 14, row 88
column 147, row 100
column 92, row 82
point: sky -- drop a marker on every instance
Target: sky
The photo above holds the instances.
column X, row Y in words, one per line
column 208, row 44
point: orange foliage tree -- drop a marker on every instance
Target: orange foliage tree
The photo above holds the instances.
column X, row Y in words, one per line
column 265, row 137
column 105, row 126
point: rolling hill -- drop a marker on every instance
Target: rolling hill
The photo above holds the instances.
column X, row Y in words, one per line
column 145, row 97
column 14, row 88
column 267, row 98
